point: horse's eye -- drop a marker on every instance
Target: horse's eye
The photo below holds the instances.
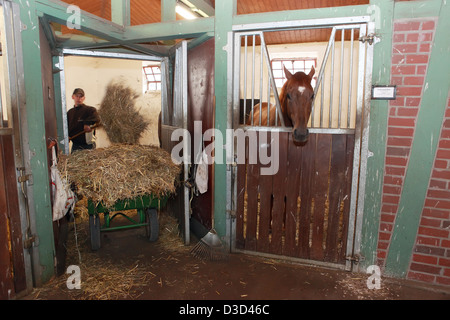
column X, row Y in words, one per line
column 288, row 96
column 312, row 97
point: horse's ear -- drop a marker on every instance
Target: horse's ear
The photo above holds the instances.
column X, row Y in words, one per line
column 287, row 73
column 312, row 72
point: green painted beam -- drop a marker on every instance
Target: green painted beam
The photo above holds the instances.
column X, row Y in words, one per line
column 120, row 12
column 417, row 9
column 225, row 10
column 423, row 151
column 319, row 13
column 180, row 29
column 43, row 264
column 168, row 10
column 381, row 75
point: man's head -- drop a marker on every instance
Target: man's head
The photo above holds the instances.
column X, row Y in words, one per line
column 78, row 96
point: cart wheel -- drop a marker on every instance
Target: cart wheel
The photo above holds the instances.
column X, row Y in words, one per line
column 152, row 226
column 94, row 229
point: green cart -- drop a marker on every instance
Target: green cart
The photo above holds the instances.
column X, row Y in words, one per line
column 147, row 216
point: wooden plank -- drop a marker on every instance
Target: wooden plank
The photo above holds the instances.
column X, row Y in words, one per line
column 241, row 202
column 279, row 192
column 320, row 190
column 342, row 240
column 307, row 174
column 292, row 195
column 338, row 184
column 250, row 219
column 265, row 209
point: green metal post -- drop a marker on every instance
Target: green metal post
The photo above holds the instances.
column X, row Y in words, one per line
column 120, row 12
column 41, row 206
column 225, row 10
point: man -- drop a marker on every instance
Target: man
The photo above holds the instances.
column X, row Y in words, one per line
column 81, row 120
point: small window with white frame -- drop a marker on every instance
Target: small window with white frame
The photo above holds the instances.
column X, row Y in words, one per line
column 153, row 77
column 293, row 65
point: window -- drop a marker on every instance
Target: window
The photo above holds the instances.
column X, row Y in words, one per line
column 293, row 65
column 153, row 76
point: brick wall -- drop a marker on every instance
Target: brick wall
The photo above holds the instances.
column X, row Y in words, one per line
column 431, row 256
column 412, row 40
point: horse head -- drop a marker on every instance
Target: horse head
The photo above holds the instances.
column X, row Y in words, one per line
column 296, row 100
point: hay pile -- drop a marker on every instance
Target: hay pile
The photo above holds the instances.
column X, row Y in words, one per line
column 119, row 116
column 120, row 172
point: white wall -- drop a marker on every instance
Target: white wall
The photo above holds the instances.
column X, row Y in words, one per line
column 94, row 74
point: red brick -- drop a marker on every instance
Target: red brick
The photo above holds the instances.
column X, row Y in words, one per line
column 439, row 194
column 441, row 164
column 446, row 123
column 412, row 37
column 444, row 262
column 433, row 232
column 395, row 171
column 445, row 134
column 381, row 254
column 398, row 37
column 404, row 48
column 428, row 25
column 443, row 154
column 425, row 36
column 392, row 190
column 444, row 144
column 425, row 47
column 425, row 268
column 398, row 59
column 412, row 102
column 436, row 213
column 403, row 69
column 425, row 259
column 401, row 142
column 428, row 222
column 439, row 204
column 383, row 245
column 427, row 241
column 438, row 184
column 406, row 26
column 386, row 236
column 445, row 243
column 391, row 199
column 387, row 217
column 414, row 81
column 399, row 101
column 389, row 208
column 396, row 161
column 422, row 69
column 402, row 122
column 400, row 132
column 443, row 280
column 409, row 111
column 386, row 227
column 417, row 58
column 409, row 91
column 436, row 251
column 441, row 174
column 393, row 180
column 397, row 80
column 421, row 277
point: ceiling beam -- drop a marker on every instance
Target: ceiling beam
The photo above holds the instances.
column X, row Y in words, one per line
column 120, row 12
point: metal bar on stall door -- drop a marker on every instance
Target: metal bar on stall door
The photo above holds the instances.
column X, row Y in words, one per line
column 341, row 80
column 330, row 114
column 322, row 93
column 253, row 75
column 245, row 79
column 268, row 101
column 273, row 84
column 260, row 86
column 349, row 108
column 325, row 60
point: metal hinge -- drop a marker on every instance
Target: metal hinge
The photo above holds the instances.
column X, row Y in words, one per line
column 24, row 177
column 370, row 38
column 355, row 258
column 29, row 241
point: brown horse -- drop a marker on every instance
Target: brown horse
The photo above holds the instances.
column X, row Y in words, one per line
column 296, row 100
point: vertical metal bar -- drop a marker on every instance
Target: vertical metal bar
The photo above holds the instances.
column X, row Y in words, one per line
column 62, row 77
column 330, row 114
column 272, row 81
column 341, row 77
column 245, row 78
column 325, row 60
column 186, row 147
column 322, row 94
column 268, row 99
column 350, row 82
column 364, row 143
column 236, row 76
column 260, row 86
column 357, row 149
column 253, row 76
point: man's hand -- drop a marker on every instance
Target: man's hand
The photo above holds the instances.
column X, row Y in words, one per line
column 87, row 128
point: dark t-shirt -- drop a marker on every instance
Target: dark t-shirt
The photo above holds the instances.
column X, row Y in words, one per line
column 77, row 117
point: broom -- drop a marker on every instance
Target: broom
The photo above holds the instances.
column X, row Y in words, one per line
column 210, row 247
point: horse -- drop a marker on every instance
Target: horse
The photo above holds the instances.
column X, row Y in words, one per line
column 296, row 100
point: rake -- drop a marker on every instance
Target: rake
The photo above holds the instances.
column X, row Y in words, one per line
column 210, row 248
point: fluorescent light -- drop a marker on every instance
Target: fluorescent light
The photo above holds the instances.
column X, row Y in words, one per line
column 185, row 13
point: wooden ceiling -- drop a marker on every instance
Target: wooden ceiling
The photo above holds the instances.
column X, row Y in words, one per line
column 149, row 11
